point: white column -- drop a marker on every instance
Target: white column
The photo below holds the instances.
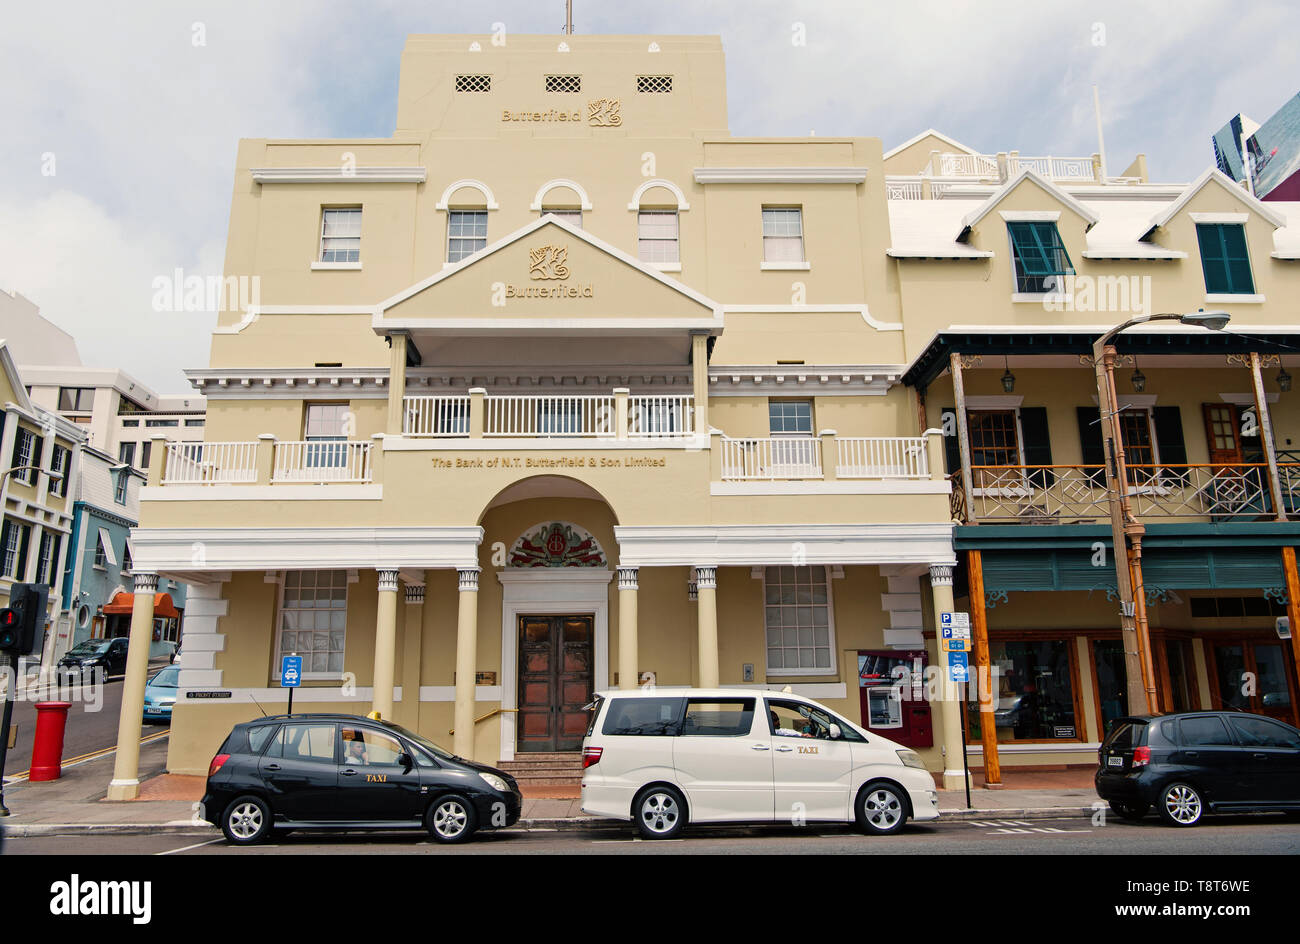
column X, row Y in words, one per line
column 628, row 671
column 126, row 767
column 706, row 583
column 949, row 692
column 412, row 643
column 385, row 644
column 466, row 660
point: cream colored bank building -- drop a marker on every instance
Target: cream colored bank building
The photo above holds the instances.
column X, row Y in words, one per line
column 563, row 387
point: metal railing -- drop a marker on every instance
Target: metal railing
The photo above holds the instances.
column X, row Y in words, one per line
column 661, row 415
column 881, row 457
column 793, row 457
column 1073, row 494
column 436, row 415
column 564, row 415
column 207, row 463
column 321, row 461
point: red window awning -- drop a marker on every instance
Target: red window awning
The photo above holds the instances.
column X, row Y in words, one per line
column 123, row 603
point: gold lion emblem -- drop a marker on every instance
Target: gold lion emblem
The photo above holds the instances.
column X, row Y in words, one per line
column 547, row 262
column 603, row 112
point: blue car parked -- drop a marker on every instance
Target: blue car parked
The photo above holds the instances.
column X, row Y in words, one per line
column 160, row 695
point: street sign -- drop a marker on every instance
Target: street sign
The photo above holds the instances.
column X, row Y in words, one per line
column 958, row 670
column 1283, row 627
column 955, row 645
column 291, row 672
column 954, row 625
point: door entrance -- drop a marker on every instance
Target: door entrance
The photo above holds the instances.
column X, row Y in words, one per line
column 555, row 660
column 1253, row 676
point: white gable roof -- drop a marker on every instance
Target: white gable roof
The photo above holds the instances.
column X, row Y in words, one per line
column 1196, row 186
column 1056, row 192
column 956, row 145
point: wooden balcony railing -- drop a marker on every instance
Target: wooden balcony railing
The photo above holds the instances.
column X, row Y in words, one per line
column 1076, row 494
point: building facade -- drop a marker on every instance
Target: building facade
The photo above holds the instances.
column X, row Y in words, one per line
column 563, row 387
column 41, row 453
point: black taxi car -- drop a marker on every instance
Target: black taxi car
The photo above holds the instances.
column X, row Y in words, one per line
column 336, row 771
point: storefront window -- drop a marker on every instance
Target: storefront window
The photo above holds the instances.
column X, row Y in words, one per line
column 1112, row 680
column 1035, row 694
column 1231, row 664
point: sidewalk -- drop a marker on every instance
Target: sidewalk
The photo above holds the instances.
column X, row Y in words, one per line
column 76, row 804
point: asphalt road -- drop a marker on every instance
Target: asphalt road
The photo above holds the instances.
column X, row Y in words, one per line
column 1237, row 835
column 92, row 723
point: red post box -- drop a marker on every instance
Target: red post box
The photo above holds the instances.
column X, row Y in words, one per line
column 47, row 744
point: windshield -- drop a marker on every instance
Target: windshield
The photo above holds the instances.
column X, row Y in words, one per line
column 90, row 647
column 167, row 678
column 421, row 741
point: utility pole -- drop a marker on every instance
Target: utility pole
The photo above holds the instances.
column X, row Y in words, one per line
column 568, row 17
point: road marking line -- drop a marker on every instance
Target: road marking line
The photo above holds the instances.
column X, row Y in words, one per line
column 187, row 848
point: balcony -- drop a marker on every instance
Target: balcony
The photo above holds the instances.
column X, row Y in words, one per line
column 266, row 459
column 797, row 458
column 616, row 415
column 1076, row 494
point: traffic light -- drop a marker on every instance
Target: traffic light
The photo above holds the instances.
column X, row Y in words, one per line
column 22, row 619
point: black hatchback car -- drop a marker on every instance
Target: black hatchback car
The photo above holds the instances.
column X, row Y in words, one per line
column 1193, row 763
column 106, row 654
column 334, row 771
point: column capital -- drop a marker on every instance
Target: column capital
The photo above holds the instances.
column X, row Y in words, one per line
column 941, row 575
column 146, row 583
column 387, row 580
column 415, row 594
column 468, row 579
column 706, row 577
column 627, row 578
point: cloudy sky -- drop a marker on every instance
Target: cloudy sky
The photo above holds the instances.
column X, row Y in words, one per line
column 118, row 131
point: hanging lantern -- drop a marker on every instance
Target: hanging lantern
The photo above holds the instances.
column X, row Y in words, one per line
column 1283, row 380
column 1139, row 380
column 1008, row 378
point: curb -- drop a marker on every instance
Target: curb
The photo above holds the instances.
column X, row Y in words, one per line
column 35, row 830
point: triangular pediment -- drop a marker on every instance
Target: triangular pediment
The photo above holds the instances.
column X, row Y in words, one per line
column 549, row 274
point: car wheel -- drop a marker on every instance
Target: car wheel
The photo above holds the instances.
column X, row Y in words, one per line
column 247, row 820
column 660, row 813
column 451, row 819
column 881, row 809
column 1129, row 810
column 1181, row 805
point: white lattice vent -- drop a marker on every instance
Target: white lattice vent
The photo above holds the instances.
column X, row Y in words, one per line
column 564, row 83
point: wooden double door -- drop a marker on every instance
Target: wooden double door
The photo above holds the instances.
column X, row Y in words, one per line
column 555, row 659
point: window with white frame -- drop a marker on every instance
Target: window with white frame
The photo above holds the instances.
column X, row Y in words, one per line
column 783, row 234
column 570, row 216
column 657, row 236
column 326, row 426
column 795, row 451
column 313, row 619
column 13, row 549
column 340, row 234
column 119, row 490
column 27, row 452
column 47, row 556
column 466, row 233
column 797, row 617
column 59, row 460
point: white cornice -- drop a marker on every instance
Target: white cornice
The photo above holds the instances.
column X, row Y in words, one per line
column 859, row 309
column 337, row 175
column 826, row 380
column 171, row 550
column 748, row 545
column 241, row 383
column 780, row 175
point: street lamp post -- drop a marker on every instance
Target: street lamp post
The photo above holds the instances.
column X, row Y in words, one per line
column 1126, row 530
column 11, row 659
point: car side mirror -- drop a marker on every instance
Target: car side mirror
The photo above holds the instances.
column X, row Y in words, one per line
column 404, row 760
column 835, row 732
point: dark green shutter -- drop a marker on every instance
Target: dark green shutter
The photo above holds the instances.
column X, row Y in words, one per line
column 1037, row 444
column 951, row 444
column 14, row 460
column 1169, row 435
column 4, row 542
column 1225, row 259
column 24, row 539
column 1090, row 442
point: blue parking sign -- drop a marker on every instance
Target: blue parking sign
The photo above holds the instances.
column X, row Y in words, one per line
column 291, row 672
column 958, row 668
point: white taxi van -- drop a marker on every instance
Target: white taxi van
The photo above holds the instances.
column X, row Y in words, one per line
column 665, row 757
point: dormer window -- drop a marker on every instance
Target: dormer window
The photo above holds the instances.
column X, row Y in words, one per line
column 1224, row 259
column 1039, row 256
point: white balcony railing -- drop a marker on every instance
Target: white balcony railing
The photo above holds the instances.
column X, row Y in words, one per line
column 321, row 461
column 436, row 415
column 793, row 457
column 206, row 463
column 881, row 457
column 561, row 416
column 1052, row 168
column 661, row 416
